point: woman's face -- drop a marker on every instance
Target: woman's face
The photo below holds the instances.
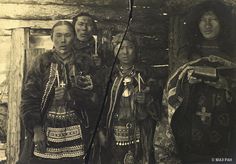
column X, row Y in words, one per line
column 209, row 25
column 84, row 28
column 62, row 38
column 127, row 53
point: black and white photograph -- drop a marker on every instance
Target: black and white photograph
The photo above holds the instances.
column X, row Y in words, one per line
column 117, row 81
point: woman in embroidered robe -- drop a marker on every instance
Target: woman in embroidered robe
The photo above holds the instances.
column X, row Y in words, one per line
column 201, row 93
column 130, row 117
column 55, row 102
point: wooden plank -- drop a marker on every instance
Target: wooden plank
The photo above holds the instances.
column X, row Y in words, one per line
column 149, row 3
column 55, row 12
column 19, row 44
column 160, row 24
column 36, row 24
column 38, row 32
column 5, row 46
column 60, row 2
column 4, row 32
column 47, row 24
column 181, row 6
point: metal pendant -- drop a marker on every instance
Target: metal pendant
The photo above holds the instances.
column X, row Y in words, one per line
column 126, row 80
column 129, row 158
column 126, row 93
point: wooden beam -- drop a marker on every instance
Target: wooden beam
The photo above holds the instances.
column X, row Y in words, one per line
column 4, row 32
column 61, row 2
column 33, row 24
column 181, row 6
column 5, row 46
column 55, row 12
column 137, row 24
column 17, row 59
column 150, row 3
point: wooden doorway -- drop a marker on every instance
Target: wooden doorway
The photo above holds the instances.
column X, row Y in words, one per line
column 25, row 46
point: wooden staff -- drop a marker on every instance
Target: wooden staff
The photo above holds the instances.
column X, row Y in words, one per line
column 139, row 82
column 96, row 44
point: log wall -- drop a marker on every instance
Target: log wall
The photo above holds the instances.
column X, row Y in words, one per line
column 149, row 24
column 20, row 42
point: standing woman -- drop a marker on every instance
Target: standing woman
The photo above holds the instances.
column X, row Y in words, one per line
column 201, row 93
column 54, row 101
column 208, row 31
column 130, row 119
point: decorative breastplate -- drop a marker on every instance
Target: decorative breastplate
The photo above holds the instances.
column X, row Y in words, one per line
column 126, row 134
column 125, row 130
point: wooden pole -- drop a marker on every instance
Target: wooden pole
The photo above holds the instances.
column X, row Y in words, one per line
column 20, row 41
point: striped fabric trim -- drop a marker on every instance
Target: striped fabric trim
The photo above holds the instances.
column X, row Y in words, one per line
column 64, row 134
column 49, row 85
column 64, row 152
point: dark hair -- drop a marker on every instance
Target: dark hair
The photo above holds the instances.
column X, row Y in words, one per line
column 116, row 39
column 59, row 23
column 74, row 19
column 223, row 14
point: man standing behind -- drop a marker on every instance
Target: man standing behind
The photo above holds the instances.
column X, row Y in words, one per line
column 85, row 44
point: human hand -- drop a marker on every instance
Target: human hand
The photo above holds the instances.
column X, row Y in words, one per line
column 97, row 60
column 140, row 97
column 39, row 139
column 102, row 138
column 60, row 93
column 85, row 82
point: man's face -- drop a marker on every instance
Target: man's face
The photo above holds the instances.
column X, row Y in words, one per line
column 62, row 38
column 209, row 25
column 84, row 28
column 127, row 53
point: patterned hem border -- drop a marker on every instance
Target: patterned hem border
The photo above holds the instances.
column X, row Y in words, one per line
column 64, row 134
column 58, row 153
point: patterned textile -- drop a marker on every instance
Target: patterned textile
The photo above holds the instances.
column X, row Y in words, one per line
column 174, row 90
column 65, row 121
column 58, row 153
column 64, row 134
column 164, row 145
column 130, row 126
column 122, row 135
column 62, row 125
column 200, row 99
